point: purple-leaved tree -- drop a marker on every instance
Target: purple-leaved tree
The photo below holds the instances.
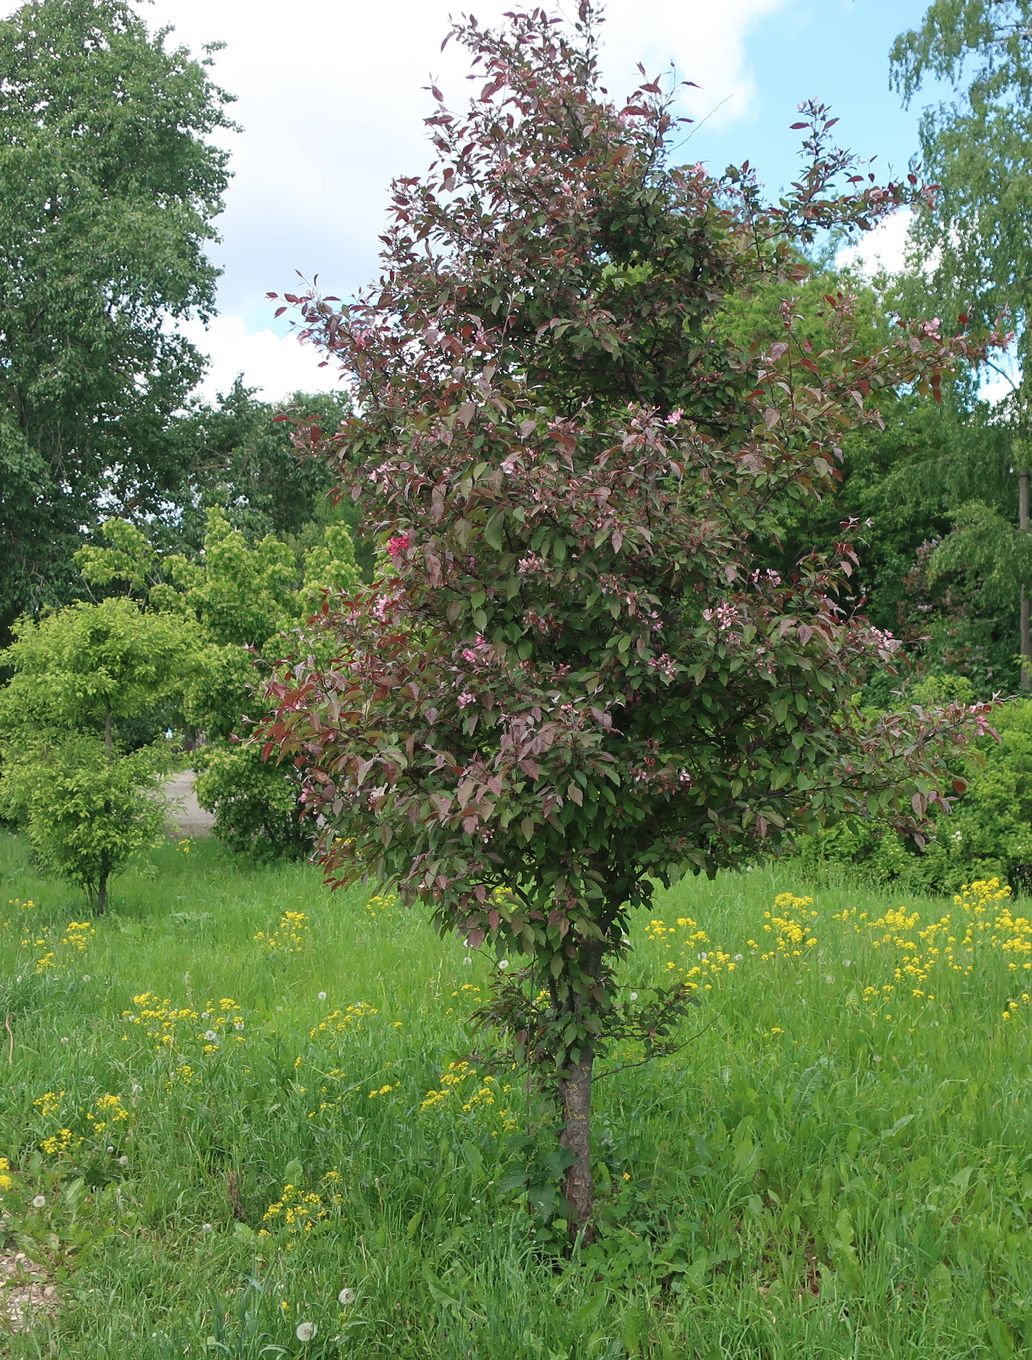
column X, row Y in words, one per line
column 580, row 676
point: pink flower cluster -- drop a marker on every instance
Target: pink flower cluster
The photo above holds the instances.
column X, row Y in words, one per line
column 397, row 545
column 884, row 640
column 476, row 652
column 665, row 665
column 726, row 616
column 769, row 577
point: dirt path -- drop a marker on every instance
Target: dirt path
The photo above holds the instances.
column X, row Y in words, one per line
column 187, row 817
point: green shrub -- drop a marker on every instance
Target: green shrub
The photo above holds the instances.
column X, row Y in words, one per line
column 989, row 831
column 239, row 597
column 255, row 804
column 85, row 814
column 86, row 682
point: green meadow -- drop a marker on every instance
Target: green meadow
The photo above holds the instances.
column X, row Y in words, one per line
column 244, row 1117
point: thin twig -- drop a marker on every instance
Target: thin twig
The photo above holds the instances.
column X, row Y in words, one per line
column 10, row 1039
column 667, row 1053
column 699, row 122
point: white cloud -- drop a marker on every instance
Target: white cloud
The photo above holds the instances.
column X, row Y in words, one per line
column 277, row 365
column 705, row 42
column 882, row 249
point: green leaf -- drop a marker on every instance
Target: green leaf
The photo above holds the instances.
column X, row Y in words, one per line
column 493, row 529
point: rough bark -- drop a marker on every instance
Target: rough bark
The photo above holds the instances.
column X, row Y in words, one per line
column 579, row 1183
column 574, row 1091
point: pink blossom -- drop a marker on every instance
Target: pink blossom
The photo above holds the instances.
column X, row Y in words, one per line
column 674, row 418
column 466, row 698
column 884, row 640
column 981, row 721
column 769, row 576
column 664, row 664
column 397, row 545
column 475, row 653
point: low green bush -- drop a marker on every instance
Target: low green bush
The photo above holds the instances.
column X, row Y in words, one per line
column 255, row 804
column 988, row 832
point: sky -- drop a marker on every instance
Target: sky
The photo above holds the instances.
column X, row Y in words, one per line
column 331, row 95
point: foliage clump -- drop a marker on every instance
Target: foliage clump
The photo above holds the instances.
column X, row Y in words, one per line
column 237, row 596
column 988, row 832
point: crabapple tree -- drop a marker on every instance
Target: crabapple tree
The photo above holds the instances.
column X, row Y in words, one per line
column 579, row 674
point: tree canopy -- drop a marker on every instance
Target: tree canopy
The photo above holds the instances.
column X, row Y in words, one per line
column 112, row 181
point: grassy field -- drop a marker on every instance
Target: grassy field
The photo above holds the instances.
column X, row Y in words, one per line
column 223, row 1145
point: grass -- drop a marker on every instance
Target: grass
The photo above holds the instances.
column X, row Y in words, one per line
column 839, row 1165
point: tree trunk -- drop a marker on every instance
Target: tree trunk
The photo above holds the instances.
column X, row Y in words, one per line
column 101, row 900
column 574, row 1092
column 1026, row 630
column 578, row 1184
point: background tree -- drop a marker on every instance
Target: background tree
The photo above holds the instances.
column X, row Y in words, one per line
column 584, row 674
column 73, row 772
column 236, row 597
column 905, row 484
column 239, row 453
column 977, row 236
column 111, row 184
